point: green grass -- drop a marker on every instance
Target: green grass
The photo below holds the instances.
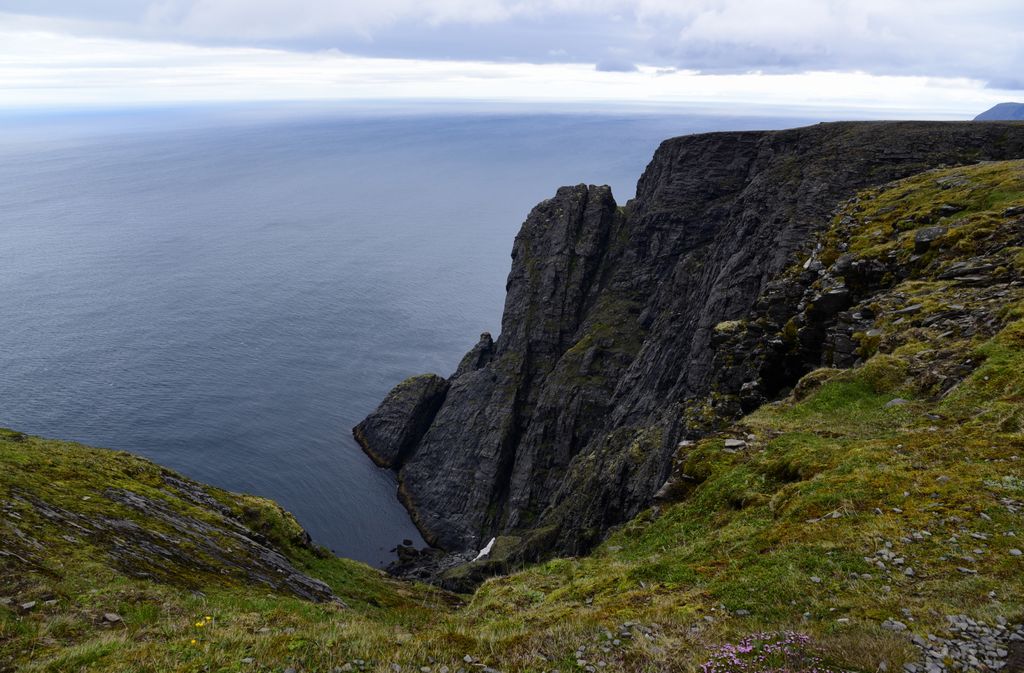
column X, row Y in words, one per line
column 889, row 216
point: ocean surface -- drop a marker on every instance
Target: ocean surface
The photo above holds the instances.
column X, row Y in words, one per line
column 229, row 293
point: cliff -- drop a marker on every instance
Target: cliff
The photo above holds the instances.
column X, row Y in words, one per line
column 566, row 425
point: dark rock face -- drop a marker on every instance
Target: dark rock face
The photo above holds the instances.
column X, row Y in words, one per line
column 1002, row 112
column 567, row 425
column 475, row 436
column 389, row 433
column 925, row 237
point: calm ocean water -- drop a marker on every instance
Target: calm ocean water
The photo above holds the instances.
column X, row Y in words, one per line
column 228, row 296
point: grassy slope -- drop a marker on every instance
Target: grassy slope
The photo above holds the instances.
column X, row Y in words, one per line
column 782, row 534
column 45, row 561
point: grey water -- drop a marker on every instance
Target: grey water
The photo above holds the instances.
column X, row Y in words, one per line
column 228, row 294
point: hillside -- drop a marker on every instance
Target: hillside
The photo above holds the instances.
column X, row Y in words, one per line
column 870, row 519
column 1002, row 112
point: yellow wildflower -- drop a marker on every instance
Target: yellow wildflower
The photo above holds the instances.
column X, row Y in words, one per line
column 193, row 641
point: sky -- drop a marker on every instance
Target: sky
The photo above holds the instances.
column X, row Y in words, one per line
column 935, row 58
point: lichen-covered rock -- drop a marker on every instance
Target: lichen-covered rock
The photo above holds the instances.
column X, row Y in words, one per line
column 60, row 500
column 788, row 334
column 617, row 330
column 390, row 433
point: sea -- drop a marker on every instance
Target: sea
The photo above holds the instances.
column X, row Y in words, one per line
column 227, row 291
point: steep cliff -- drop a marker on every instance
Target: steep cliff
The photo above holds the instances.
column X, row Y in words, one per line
column 566, row 425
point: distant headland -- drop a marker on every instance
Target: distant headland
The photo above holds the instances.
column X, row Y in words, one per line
column 1002, row 112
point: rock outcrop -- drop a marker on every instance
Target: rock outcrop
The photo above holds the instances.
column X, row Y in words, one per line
column 830, row 311
column 393, row 430
column 142, row 520
column 610, row 352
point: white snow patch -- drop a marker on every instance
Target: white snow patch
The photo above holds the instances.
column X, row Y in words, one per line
column 486, row 550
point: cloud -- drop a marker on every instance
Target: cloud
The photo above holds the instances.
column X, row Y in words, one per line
column 1007, row 84
column 262, row 19
column 980, row 39
column 615, row 66
column 40, row 68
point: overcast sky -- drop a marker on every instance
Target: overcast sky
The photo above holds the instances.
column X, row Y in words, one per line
column 944, row 56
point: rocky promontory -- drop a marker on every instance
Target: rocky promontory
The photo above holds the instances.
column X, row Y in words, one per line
column 1002, row 112
column 566, row 425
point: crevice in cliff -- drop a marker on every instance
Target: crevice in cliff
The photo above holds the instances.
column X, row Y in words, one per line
column 496, row 506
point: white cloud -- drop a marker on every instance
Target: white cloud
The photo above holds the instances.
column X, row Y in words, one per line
column 981, row 39
column 302, row 18
column 910, row 36
column 54, row 69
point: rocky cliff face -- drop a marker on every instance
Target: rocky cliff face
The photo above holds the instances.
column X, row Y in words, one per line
column 614, row 324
